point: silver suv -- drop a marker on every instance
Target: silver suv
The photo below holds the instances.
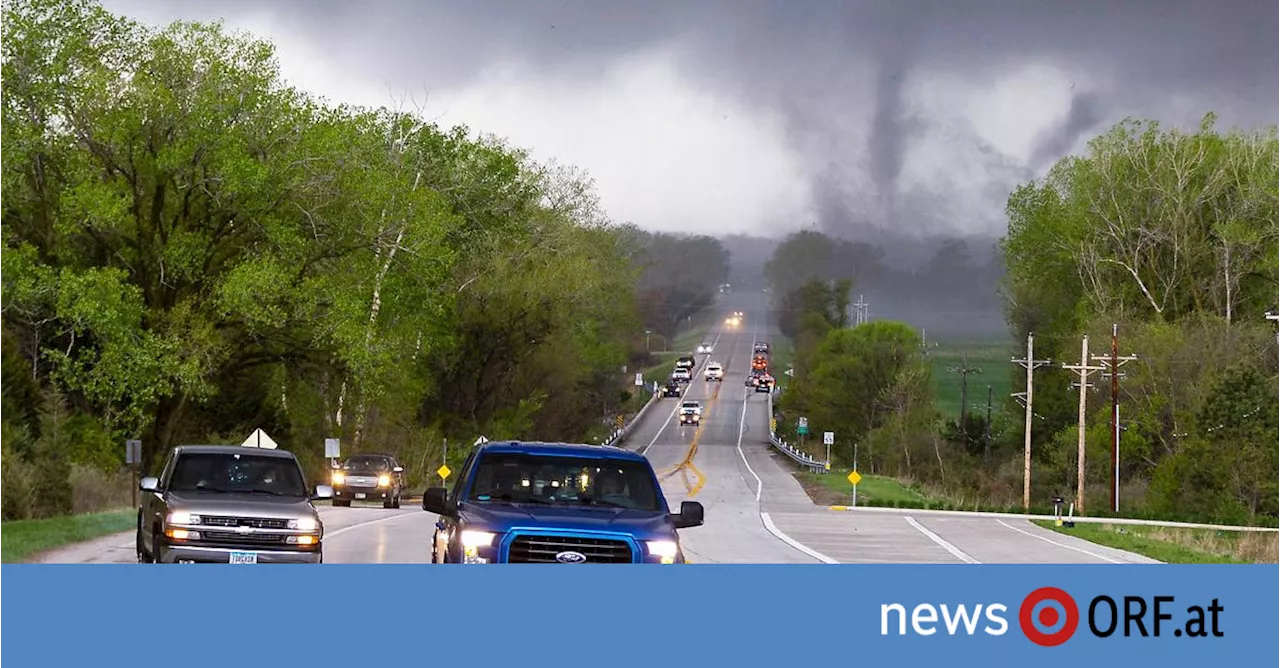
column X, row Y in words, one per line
column 229, row 504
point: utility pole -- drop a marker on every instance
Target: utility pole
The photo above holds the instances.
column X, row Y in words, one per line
column 1030, row 363
column 986, row 447
column 1113, row 364
column 1084, row 369
column 964, row 370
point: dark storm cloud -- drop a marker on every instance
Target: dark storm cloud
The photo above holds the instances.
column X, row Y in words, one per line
column 816, row 62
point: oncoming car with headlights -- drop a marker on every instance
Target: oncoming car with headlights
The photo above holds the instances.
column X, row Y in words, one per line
column 229, row 504
column 556, row 503
column 368, row 478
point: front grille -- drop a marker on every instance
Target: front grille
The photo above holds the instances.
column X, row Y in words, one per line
column 255, row 522
column 362, row 481
column 242, row 538
column 527, row 549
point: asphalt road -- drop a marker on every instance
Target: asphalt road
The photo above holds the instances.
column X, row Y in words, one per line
column 756, row 512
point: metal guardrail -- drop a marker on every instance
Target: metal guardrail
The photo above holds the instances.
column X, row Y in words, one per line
column 787, row 449
column 619, row 434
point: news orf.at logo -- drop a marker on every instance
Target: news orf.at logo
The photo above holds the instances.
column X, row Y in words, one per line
column 1049, row 617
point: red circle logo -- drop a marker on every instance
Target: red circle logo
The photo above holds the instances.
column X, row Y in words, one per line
column 1039, row 610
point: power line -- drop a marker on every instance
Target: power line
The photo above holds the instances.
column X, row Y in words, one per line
column 1030, row 363
column 1084, row 369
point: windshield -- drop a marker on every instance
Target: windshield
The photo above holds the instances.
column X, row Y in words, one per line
column 521, row 478
column 238, row 473
column 378, row 464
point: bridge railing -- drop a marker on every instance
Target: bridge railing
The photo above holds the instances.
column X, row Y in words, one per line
column 800, row 457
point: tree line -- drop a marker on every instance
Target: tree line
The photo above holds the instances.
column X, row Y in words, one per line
column 193, row 249
column 1171, row 236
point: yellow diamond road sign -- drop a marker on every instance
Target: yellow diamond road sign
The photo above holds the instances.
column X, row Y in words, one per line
column 853, row 477
column 444, row 471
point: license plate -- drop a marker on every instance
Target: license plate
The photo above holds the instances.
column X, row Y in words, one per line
column 359, row 495
column 244, row 557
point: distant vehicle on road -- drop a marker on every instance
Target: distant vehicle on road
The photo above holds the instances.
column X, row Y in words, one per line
column 368, row 478
column 761, row 347
column 754, row 377
column 690, row 413
column 556, row 503
column 671, row 389
column 704, row 349
column 760, row 362
column 686, row 362
column 229, row 504
column 681, row 375
column 715, row 371
column 765, row 383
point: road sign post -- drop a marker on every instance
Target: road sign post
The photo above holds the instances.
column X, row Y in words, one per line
column 828, row 439
column 133, row 457
column 639, row 380
column 854, row 477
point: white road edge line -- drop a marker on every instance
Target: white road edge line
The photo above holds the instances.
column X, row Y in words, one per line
column 769, row 526
column 764, row 517
column 1069, row 547
column 955, row 551
column 683, row 394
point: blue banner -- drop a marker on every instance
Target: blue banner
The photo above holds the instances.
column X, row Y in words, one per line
column 912, row 615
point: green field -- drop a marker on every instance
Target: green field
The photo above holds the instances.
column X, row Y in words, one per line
column 992, row 357
column 1178, row 545
column 23, row 539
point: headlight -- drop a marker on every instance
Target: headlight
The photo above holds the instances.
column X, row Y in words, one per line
column 477, row 538
column 384, row 481
column 664, row 549
column 304, row 524
column 339, row 478
column 181, row 517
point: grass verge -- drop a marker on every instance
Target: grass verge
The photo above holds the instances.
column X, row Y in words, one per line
column 24, row 539
column 1176, row 545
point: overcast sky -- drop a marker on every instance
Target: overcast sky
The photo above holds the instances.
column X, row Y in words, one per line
column 758, row 116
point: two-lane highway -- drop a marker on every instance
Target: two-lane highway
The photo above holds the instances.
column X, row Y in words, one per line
column 756, row 511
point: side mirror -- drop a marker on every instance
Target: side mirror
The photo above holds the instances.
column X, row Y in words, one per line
column 398, row 469
column 436, row 500
column 323, row 492
column 149, row 484
column 690, row 515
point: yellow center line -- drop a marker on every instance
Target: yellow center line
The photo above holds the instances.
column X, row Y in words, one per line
column 693, row 444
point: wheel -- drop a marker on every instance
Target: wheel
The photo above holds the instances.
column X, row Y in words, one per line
column 157, row 546
column 143, row 556
column 396, row 503
column 342, row 503
column 389, row 503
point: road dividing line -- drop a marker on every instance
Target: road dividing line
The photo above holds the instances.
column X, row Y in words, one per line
column 769, row 526
column 353, row 527
column 764, row 517
column 675, row 410
column 742, row 422
column 955, row 551
column 1069, row 547
column 702, row 480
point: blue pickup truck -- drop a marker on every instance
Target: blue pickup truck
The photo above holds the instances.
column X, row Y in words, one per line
column 519, row 502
